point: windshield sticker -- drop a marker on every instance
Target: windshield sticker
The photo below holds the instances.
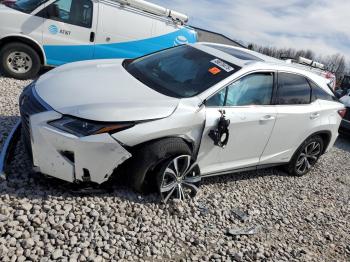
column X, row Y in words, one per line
column 214, row 70
column 222, row 65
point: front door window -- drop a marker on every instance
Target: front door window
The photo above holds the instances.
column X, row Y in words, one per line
column 74, row 12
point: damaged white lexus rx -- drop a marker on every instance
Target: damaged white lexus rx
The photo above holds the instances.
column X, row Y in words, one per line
column 173, row 117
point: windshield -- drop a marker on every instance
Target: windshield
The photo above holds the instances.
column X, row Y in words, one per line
column 180, row 72
column 26, row 6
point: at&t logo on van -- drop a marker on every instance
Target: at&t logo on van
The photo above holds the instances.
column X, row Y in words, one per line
column 180, row 40
column 53, row 29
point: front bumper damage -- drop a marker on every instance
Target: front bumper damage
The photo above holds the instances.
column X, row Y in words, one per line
column 8, row 149
column 70, row 158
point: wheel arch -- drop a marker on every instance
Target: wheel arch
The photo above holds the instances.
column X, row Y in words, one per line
column 25, row 40
column 189, row 142
column 326, row 136
column 137, row 152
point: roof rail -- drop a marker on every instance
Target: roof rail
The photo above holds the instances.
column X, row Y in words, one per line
column 154, row 9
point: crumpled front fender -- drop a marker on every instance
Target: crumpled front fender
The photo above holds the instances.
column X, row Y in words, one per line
column 94, row 158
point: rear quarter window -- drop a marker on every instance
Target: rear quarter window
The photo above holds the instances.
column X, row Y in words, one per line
column 319, row 93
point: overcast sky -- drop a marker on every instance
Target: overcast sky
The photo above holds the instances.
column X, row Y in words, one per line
column 320, row 25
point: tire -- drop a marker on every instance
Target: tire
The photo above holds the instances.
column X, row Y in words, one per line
column 178, row 178
column 147, row 160
column 19, row 61
column 306, row 156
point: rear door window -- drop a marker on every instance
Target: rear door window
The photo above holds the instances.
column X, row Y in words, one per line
column 293, row 90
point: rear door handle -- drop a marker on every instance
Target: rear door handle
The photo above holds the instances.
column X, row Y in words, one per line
column 314, row 115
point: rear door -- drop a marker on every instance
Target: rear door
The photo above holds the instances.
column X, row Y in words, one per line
column 69, row 30
column 298, row 116
column 247, row 103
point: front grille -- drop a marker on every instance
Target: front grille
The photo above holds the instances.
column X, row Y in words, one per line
column 347, row 116
column 28, row 106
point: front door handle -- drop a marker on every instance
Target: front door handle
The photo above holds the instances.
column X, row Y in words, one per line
column 267, row 118
column 92, row 37
column 314, row 116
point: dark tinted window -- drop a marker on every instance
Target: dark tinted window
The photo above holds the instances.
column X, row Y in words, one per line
column 254, row 89
column 293, row 89
column 75, row 12
column 182, row 71
column 236, row 53
column 346, row 82
column 319, row 93
column 26, row 6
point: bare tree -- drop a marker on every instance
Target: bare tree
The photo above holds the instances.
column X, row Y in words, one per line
column 335, row 63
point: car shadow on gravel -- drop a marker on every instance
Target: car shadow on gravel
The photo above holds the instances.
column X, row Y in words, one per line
column 6, row 125
column 343, row 142
column 247, row 175
column 41, row 72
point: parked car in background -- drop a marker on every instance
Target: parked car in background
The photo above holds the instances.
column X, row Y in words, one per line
column 345, row 125
column 223, row 110
column 344, row 88
column 36, row 33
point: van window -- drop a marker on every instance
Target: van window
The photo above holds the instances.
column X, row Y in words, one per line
column 293, row 89
column 26, row 6
column 75, row 12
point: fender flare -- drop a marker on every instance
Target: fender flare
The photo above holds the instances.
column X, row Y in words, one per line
column 26, row 40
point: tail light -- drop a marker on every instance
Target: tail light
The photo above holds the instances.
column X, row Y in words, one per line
column 342, row 112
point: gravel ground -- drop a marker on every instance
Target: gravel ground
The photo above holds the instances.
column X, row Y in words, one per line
column 292, row 219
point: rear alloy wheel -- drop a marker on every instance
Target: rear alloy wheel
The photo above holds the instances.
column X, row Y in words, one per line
column 178, row 179
column 307, row 156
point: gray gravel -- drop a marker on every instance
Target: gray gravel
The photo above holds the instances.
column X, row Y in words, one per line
column 293, row 219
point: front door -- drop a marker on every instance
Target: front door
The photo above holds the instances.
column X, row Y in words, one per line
column 247, row 104
column 69, row 30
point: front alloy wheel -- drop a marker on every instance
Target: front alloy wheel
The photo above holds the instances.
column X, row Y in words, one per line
column 179, row 179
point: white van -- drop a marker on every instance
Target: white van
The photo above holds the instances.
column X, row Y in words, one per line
column 36, row 33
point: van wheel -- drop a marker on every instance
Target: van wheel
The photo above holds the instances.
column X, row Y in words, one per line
column 19, row 61
column 306, row 156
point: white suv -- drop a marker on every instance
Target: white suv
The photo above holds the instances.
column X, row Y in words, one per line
column 172, row 117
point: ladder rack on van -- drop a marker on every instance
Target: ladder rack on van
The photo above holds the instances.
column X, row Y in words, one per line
column 154, row 9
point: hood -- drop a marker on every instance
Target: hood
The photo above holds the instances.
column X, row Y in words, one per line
column 102, row 91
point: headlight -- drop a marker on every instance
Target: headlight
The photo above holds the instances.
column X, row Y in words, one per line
column 80, row 127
